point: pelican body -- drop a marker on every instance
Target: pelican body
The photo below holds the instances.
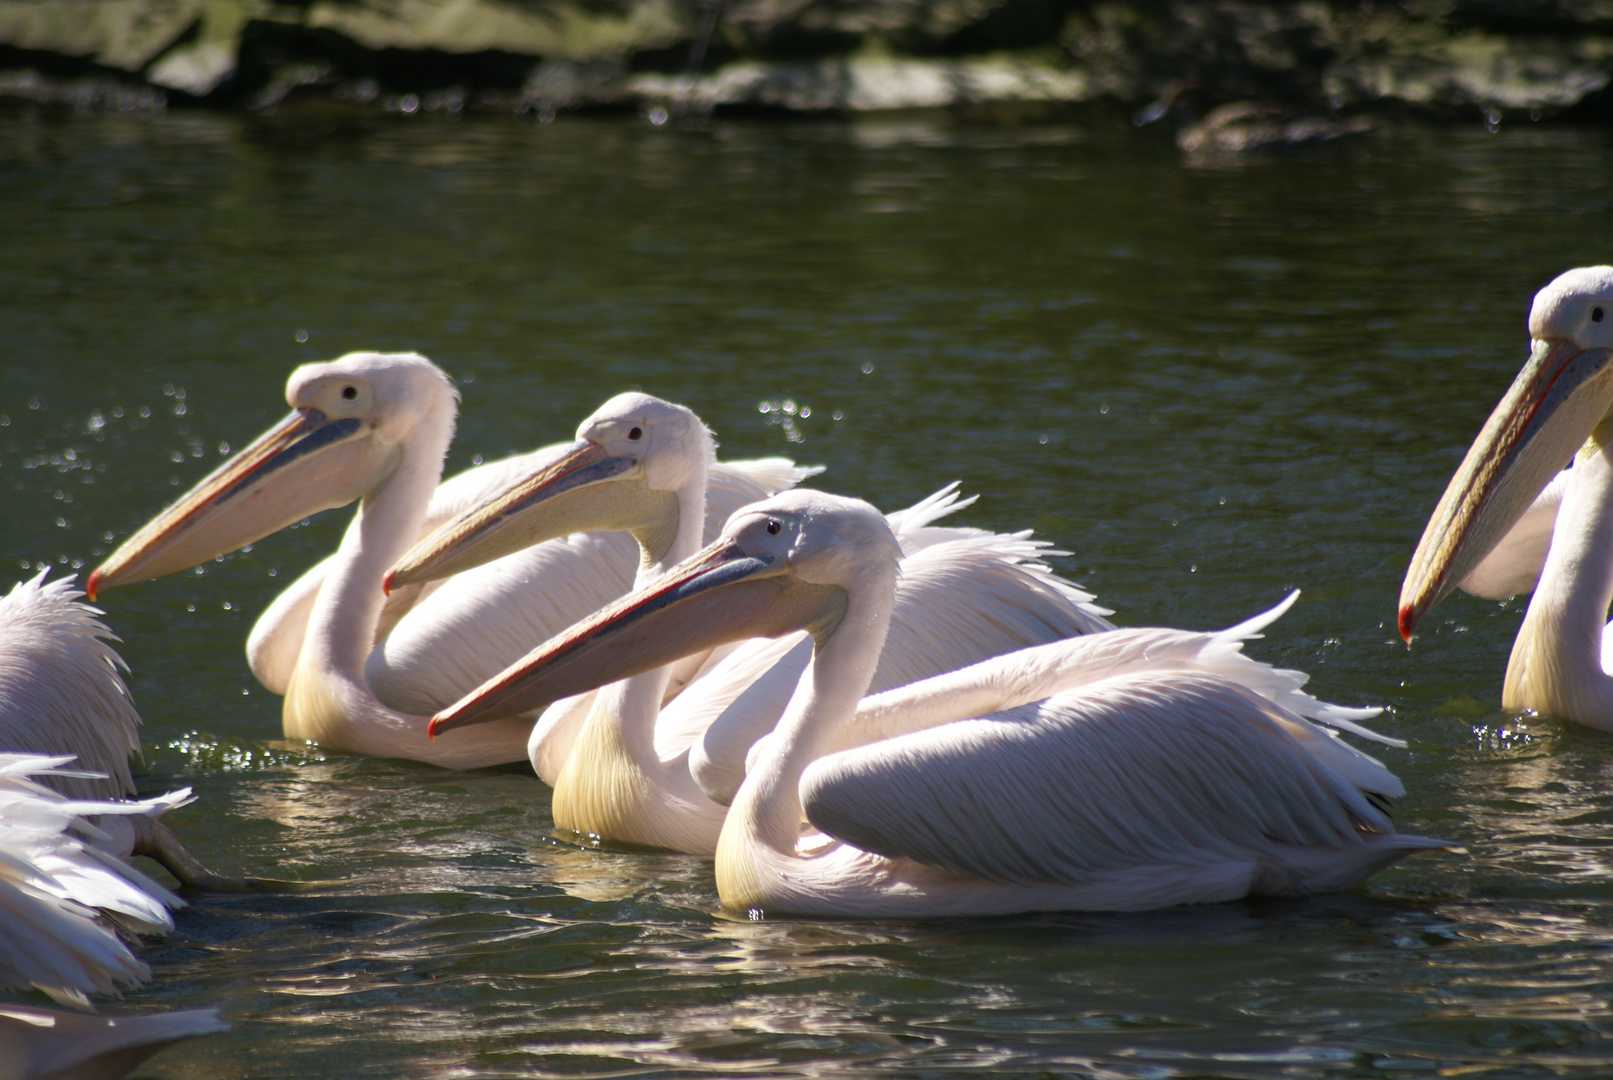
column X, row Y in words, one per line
column 374, row 428
column 1510, row 494
column 1117, row 771
column 633, row 769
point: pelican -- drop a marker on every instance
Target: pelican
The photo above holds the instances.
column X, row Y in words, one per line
column 58, row 894
column 375, row 427
column 1487, row 529
column 62, row 693
column 629, row 770
column 1128, row 770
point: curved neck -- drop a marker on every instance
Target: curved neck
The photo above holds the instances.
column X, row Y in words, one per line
column 768, row 804
column 1556, row 663
column 677, row 530
column 342, row 624
column 613, row 772
column 622, row 719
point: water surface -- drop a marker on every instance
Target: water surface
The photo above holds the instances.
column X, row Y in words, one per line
column 1210, row 382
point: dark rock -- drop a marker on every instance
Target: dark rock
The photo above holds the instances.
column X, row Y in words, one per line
column 1244, row 127
column 1163, row 59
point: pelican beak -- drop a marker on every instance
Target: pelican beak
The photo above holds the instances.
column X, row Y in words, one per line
column 1548, row 412
column 302, row 465
column 566, row 495
column 717, row 596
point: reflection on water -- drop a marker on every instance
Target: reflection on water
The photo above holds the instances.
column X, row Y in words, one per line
column 1211, row 384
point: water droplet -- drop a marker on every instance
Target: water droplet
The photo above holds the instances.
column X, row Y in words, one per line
column 223, row 448
column 302, row 336
column 1104, row 408
column 657, row 116
column 1042, row 439
column 868, row 369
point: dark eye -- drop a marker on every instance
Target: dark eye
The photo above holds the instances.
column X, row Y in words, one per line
column 636, row 434
column 773, row 527
column 1596, row 314
column 349, row 392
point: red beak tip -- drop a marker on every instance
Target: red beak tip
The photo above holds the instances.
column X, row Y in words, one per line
column 93, row 585
column 431, row 729
column 386, row 583
column 1407, row 622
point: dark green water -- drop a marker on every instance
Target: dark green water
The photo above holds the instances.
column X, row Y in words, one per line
column 1212, row 384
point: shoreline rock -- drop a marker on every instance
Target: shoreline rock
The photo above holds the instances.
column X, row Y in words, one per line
column 1317, row 67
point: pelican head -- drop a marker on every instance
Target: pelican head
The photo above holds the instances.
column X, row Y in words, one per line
column 784, row 564
column 1563, row 393
column 344, row 438
column 630, row 459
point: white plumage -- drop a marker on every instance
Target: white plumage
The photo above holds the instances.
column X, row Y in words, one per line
column 1116, row 771
column 631, row 766
column 57, row 890
column 62, row 689
column 376, row 426
column 1512, row 520
column 63, row 901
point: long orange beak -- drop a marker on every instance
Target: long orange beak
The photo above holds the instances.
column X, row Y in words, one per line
column 549, row 503
column 717, row 596
column 304, row 464
column 1547, row 413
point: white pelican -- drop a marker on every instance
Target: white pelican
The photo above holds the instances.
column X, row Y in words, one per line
column 375, row 427
column 1120, row 771
column 627, row 770
column 62, row 693
column 58, row 894
column 1559, row 407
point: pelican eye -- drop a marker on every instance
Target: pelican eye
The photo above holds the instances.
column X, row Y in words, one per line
column 636, row 434
column 773, row 527
column 349, row 392
column 1596, row 314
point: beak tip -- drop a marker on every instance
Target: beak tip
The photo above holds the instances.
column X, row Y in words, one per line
column 1407, row 621
column 93, row 585
column 386, row 583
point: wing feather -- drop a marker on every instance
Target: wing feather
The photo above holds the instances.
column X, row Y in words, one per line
column 1174, row 768
column 62, row 688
